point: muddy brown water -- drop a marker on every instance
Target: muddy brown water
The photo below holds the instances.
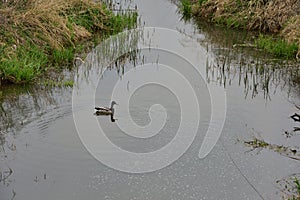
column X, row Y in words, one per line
column 42, row 156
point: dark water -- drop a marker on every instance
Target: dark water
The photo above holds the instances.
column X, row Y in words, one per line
column 175, row 81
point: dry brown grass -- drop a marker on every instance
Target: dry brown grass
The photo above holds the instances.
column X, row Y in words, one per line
column 272, row 16
column 264, row 15
column 46, row 20
column 275, row 16
column 291, row 32
column 36, row 35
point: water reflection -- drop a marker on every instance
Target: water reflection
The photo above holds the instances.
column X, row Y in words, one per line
column 256, row 78
column 254, row 70
column 21, row 105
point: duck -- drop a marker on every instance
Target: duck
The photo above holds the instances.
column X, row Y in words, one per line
column 106, row 110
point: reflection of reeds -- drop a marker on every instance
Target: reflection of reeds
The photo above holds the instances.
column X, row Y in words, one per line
column 19, row 106
column 235, row 57
column 4, row 175
column 251, row 68
column 111, row 53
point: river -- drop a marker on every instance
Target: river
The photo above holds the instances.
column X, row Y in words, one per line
column 188, row 97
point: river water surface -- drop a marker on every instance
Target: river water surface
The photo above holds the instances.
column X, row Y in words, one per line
column 48, row 150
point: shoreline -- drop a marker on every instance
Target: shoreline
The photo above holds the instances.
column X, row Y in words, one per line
column 39, row 37
column 278, row 22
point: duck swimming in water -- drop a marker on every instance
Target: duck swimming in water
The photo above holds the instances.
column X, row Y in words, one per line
column 106, row 110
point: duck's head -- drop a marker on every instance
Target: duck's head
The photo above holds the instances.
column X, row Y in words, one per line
column 113, row 103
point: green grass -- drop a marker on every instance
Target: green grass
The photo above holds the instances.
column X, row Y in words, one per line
column 186, row 9
column 24, row 65
column 63, row 56
column 121, row 22
column 91, row 19
column 277, row 47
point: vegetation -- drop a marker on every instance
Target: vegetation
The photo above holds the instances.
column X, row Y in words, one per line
column 265, row 16
column 289, row 186
column 36, row 35
column 277, row 47
column 297, row 187
column 186, row 9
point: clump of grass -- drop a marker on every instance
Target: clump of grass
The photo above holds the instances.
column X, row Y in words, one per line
column 37, row 33
column 24, row 65
column 186, row 9
column 68, row 83
column 63, row 56
column 277, row 47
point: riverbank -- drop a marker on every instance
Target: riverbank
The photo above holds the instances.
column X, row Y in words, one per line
column 39, row 36
column 279, row 19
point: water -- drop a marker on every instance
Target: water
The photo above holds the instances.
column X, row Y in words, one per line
column 43, row 157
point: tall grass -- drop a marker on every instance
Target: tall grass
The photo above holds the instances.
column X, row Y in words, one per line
column 37, row 33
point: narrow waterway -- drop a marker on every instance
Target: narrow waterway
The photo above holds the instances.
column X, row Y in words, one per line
column 179, row 85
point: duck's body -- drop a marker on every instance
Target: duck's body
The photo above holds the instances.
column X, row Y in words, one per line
column 106, row 110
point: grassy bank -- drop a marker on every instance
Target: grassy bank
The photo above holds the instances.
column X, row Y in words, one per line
column 281, row 18
column 39, row 35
